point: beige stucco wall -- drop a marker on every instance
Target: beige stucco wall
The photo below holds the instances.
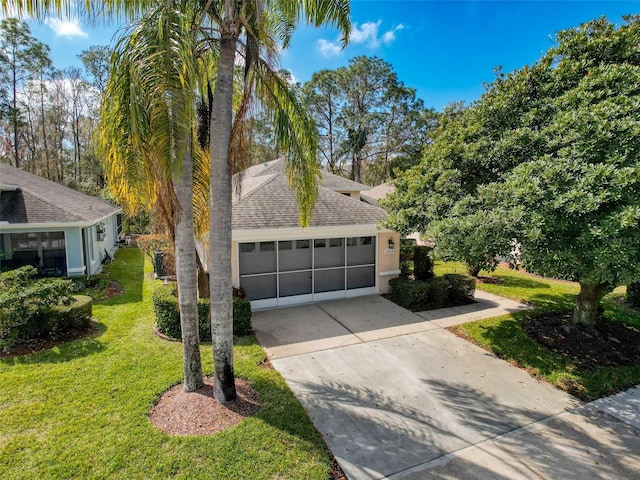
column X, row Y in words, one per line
column 387, row 262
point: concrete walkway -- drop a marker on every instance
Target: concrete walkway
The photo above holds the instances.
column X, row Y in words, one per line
column 397, row 396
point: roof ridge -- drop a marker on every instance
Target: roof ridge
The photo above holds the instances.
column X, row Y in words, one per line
column 257, row 189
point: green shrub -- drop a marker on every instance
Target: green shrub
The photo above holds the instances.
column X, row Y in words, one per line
column 242, row 316
column 422, row 263
column 633, row 294
column 67, row 318
column 437, row 292
column 165, row 306
column 33, row 309
column 406, row 256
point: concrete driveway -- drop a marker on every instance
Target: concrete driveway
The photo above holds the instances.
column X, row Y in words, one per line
column 395, row 395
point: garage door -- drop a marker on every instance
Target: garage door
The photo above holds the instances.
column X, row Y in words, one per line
column 297, row 271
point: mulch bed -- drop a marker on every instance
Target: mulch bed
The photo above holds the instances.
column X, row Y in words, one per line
column 606, row 344
column 198, row 413
column 44, row 344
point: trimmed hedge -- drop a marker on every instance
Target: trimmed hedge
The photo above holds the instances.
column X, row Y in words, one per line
column 67, row 318
column 633, row 294
column 438, row 292
column 422, row 263
column 165, row 306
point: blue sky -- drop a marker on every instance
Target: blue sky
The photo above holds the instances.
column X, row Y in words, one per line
column 446, row 50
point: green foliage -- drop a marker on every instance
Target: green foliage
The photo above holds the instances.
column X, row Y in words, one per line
column 369, row 121
column 76, row 316
column 438, row 292
column 422, row 262
column 165, row 306
column 242, row 317
column 406, row 256
column 548, row 156
column 633, row 294
column 28, row 307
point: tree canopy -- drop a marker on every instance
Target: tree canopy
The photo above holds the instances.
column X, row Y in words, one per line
column 369, row 121
column 548, row 156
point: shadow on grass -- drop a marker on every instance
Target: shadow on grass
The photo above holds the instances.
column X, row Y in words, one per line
column 63, row 352
column 556, row 301
column 519, row 282
column 506, row 338
column 128, row 270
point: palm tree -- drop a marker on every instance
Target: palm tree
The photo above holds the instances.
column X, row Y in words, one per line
column 150, row 95
column 262, row 25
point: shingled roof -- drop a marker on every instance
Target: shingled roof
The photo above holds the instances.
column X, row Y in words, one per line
column 27, row 199
column 268, row 202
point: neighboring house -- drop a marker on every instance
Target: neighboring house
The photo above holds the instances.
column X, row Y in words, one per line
column 342, row 253
column 58, row 230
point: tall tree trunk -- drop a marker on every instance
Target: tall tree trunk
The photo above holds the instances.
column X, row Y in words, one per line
column 186, row 269
column 203, row 281
column 14, row 119
column 587, row 311
column 224, row 389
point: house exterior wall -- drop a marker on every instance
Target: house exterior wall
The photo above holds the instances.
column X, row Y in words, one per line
column 74, row 247
column 388, row 260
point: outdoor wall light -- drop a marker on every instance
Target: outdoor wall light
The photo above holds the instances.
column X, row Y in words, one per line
column 392, row 245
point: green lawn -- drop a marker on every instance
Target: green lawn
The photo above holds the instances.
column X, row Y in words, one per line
column 505, row 337
column 80, row 410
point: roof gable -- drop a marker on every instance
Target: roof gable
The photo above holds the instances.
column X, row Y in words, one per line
column 38, row 200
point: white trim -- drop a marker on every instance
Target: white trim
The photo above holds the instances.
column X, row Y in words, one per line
column 390, row 272
column 310, row 233
column 76, row 270
column 56, row 225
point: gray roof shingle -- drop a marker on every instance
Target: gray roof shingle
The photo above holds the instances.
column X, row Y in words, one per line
column 272, row 204
column 39, row 200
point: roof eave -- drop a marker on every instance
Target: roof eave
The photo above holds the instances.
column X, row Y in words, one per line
column 47, row 225
column 293, row 233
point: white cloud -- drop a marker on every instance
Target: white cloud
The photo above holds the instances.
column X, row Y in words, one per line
column 66, row 28
column 365, row 34
column 390, row 36
column 327, row 48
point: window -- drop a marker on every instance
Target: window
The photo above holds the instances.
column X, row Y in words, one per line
column 335, row 242
column 302, row 243
column 267, row 246
column 247, row 247
column 320, row 243
column 286, row 245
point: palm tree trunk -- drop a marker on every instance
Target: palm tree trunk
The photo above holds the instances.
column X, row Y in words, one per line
column 224, row 389
column 186, row 269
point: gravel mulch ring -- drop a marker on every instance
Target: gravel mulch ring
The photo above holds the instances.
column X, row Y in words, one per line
column 607, row 344
column 198, row 413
